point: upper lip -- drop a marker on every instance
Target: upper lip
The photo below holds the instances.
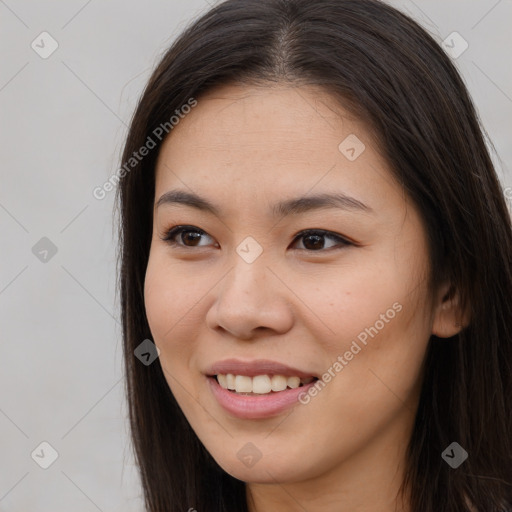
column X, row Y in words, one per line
column 255, row 367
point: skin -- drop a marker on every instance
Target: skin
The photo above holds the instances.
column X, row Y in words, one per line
column 245, row 148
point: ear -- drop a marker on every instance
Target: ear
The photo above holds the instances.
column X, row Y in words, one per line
column 448, row 319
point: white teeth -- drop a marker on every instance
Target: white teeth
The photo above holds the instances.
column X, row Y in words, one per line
column 243, row 384
column 223, row 381
column 279, row 382
column 230, row 381
column 261, row 384
column 293, row 382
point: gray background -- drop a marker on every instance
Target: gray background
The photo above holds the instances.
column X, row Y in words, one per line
column 63, row 120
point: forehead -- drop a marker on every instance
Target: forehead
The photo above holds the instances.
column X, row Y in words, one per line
column 273, row 140
column 251, row 117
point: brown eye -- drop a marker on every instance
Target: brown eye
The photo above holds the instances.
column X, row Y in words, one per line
column 188, row 236
column 314, row 240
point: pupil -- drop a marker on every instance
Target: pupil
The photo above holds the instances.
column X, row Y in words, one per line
column 191, row 236
column 317, row 244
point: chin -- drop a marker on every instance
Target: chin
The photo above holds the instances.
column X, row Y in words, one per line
column 269, row 470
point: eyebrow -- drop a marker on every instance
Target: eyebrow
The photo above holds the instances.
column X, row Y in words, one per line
column 284, row 208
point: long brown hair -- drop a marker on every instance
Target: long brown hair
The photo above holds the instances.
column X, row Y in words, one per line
column 386, row 69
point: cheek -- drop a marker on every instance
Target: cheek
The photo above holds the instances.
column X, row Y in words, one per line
column 374, row 368
column 347, row 302
column 173, row 306
column 391, row 344
column 379, row 323
column 173, row 310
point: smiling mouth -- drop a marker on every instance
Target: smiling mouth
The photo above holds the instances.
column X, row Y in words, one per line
column 260, row 384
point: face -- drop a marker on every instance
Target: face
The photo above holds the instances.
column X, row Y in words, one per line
column 331, row 289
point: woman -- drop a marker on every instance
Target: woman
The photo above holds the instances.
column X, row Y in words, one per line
column 315, row 239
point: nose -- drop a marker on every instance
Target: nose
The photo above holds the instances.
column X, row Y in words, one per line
column 251, row 299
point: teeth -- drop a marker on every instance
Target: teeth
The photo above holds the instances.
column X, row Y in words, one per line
column 230, row 381
column 293, row 382
column 243, row 384
column 223, row 381
column 261, row 384
column 279, row 383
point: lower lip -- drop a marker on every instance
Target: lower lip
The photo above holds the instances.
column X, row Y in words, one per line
column 251, row 407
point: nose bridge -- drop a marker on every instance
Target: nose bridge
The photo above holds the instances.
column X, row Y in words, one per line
column 249, row 297
column 248, row 279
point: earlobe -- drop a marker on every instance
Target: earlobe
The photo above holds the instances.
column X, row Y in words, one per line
column 449, row 319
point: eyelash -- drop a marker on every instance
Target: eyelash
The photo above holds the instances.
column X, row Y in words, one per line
column 172, row 233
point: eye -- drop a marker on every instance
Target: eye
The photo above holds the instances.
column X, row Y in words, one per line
column 189, row 236
column 313, row 239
